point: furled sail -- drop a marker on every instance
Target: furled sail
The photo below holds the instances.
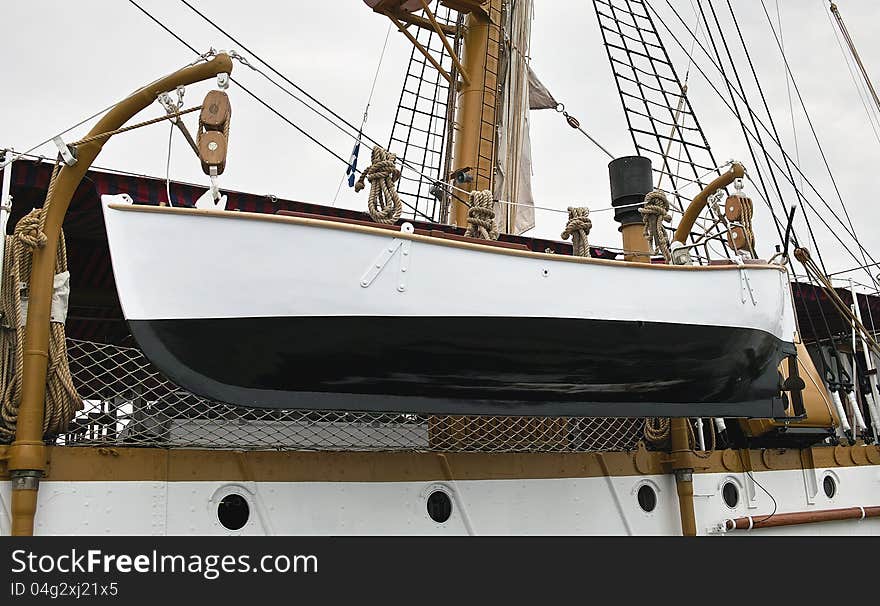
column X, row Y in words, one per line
column 512, row 182
column 521, row 91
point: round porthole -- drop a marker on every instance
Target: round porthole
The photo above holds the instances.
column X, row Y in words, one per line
column 730, row 494
column 830, row 487
column 439, row 506
column 233, row 511
column 647, row 497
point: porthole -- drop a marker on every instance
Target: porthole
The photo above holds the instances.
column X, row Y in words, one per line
column 439, row 506
column 233, row 511
column 730, row 494
column 830, row 487
column 647, row 497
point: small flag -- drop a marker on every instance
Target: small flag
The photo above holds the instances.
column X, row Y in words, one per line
column 351, row 171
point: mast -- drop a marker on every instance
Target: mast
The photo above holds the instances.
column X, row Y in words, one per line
column 473, row 155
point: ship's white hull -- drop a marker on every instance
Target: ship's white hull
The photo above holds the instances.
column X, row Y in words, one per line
column 542, row 506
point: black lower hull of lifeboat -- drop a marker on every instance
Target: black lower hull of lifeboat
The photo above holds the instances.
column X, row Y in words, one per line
column 468, row 365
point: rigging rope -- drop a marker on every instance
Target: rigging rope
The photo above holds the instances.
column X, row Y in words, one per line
column 803, row 255
column 760, row 123
column 383, row 203
column 481, row 216
column 578, row 229
column 62, row 399
column 654, row 213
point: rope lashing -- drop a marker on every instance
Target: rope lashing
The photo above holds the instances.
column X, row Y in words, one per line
column 654, row 213
column 62, row 399
column 481, row 216
column 578, row 228
column 383, row 203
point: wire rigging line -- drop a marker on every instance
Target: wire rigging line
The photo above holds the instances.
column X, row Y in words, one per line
column 16, row 155
column 812, row 128
column 357, row 137
column 769, row 116
column 797, row 151
column 168, row 165
column 366, row 107
column 873, row 118
column 737, row 113
column 259, row 100
column 763, row 126
column 277, row 73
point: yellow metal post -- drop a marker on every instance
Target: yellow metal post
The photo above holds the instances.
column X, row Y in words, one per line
column 475, row 118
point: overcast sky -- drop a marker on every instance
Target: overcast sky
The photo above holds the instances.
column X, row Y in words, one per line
column 65, row 60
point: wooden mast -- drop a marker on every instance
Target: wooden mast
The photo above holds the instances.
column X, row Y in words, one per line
column 474, row 151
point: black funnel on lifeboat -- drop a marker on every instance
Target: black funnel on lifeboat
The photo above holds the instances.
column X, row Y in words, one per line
column 631, row 180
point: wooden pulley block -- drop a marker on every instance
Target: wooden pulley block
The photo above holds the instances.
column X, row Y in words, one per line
column 213, row 128
column 735, row 206
column 212, row 151
column 216, row 111
column 736, row 238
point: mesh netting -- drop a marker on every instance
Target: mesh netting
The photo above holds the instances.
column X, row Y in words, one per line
column 128, row 402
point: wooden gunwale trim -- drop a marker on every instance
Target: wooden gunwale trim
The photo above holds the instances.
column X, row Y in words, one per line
column 83, row 464
column 379, row 231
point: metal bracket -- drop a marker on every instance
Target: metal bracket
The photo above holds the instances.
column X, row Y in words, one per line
column 385, row 256
column 68, row 154
column 744, row 284
column 680, row 254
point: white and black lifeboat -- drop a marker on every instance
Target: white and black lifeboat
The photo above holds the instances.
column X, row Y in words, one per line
column 276, row 311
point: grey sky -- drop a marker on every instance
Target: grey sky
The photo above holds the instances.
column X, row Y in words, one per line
column 65, row 60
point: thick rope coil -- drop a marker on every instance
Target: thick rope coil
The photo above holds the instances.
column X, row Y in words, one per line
column 578, row 228
column 383, row 203
column 62, row 399
column 481, row 216
column 654, row 213
column 657, row 430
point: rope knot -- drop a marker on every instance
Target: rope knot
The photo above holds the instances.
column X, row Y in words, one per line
column 654, row 213
column 481, row 216
column 578, row 229
column 29, row 230
column 383, row 203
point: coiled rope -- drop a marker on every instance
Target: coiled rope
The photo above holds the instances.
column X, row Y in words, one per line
column 654, row 213
column 481, row 216
column 657, row 430
column 578, row 228
column 62, row 399
column 383, row 203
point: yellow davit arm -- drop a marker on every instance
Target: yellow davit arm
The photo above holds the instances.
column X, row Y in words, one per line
column 737, row 171
column 27, row 455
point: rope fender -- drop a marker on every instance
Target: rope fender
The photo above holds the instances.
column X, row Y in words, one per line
column 383, row 203
column 654, row 213
column 481, row 216
column 578, row 228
